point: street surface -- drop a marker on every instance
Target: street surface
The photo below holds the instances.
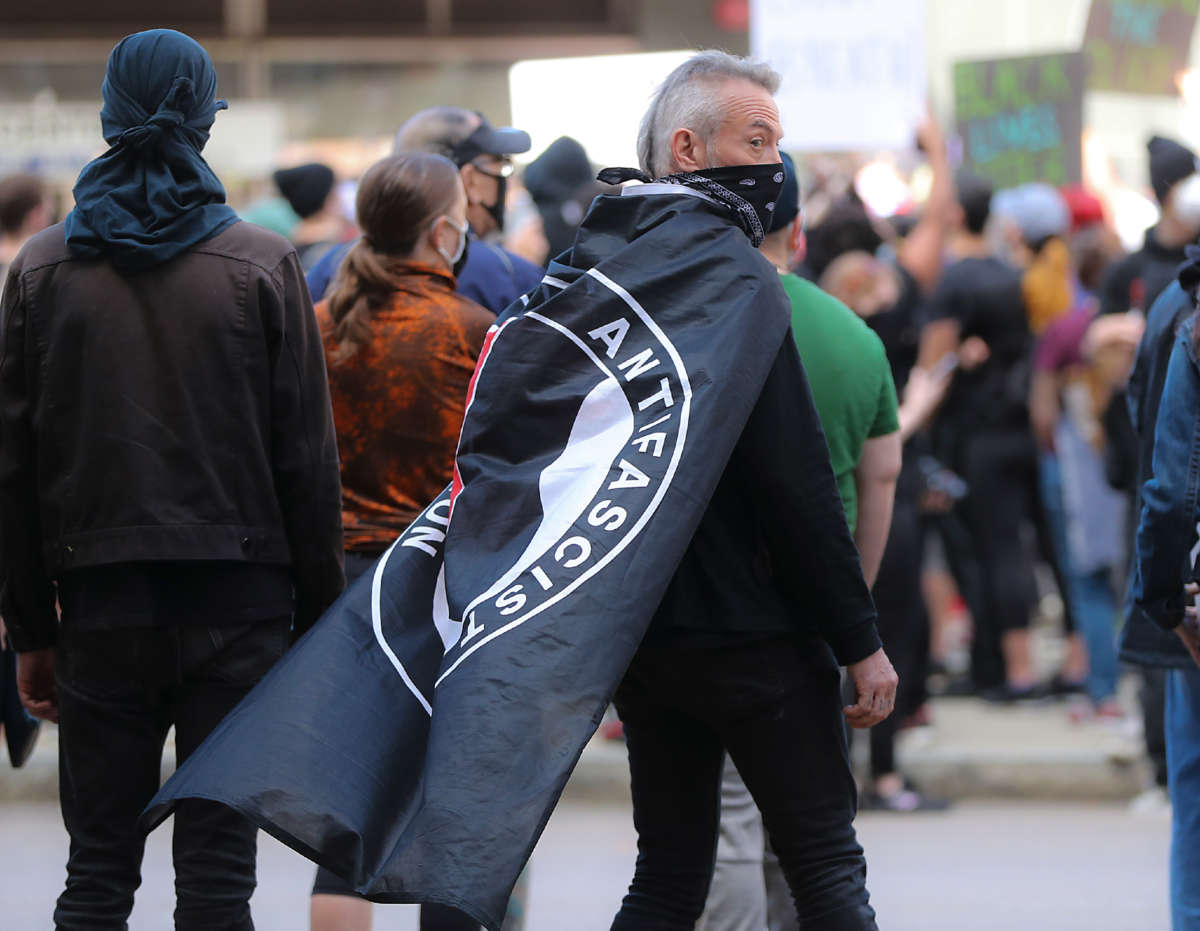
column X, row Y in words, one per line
column 984, row 866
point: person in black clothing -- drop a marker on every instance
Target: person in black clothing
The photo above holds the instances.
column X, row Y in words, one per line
column 983, row 434
column 769, row 598
column 168, row 474
column 563, row 185
column 1137, row 280
column 311, row 192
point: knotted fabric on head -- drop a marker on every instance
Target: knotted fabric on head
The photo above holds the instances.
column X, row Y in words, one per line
column 152, row 195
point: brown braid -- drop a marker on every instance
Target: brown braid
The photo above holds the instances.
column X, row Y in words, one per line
column 398, row 198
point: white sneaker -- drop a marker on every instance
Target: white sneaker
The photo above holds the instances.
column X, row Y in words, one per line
column 1154, row 802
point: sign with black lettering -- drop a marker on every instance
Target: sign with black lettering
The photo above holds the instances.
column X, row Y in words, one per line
column 1139, row 46
column 1021, row 119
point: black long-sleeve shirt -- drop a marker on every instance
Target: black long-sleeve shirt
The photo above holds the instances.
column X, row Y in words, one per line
column 773, row 553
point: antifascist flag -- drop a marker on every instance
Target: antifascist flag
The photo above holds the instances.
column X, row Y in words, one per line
column 417, row 739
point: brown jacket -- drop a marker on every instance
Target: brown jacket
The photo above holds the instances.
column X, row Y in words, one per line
column 178, row 414
column 399, row 404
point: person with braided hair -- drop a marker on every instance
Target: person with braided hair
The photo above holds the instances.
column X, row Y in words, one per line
column 401, row 344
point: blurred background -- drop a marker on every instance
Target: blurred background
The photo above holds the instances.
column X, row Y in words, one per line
column 1052, row 802
column 332, row 81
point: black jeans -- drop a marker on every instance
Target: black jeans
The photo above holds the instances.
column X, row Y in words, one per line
column 1001, row 472
column 119, row 691
column 903, row 625
column 775, row 705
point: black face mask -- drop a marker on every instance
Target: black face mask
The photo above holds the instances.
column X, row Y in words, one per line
column 749, row 191
column 461, row 262
column 496, row 210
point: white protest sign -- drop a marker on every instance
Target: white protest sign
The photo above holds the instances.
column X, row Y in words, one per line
column 597, row 100
column 853, row 70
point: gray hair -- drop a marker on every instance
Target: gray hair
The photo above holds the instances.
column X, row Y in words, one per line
column 685, row 101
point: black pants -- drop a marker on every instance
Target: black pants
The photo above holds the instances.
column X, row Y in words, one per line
column 903, row 624
column 16, row 720
column 433, row 917
column 1153, row 696
column 1001, row 473
column 775, row 705
column 119, row 691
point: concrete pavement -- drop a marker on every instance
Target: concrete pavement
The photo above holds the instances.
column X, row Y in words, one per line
column 984, row 866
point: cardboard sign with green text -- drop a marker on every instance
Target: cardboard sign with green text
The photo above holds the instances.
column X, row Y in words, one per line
column 1021, row 119
column 1138, row 46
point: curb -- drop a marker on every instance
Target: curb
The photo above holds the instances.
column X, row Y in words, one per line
column 976, row 753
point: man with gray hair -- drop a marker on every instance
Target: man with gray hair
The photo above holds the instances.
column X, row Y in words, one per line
column 769, row 599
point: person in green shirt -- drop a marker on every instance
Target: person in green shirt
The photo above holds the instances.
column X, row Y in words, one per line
column 855, row 397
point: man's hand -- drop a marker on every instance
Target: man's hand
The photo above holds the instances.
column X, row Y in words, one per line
column 875, row 684
column 1189, row 630
column 35, row 683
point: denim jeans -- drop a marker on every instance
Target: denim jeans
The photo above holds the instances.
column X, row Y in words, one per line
column 775, row 705
column 1096, row 611
column 1091, row 594
column 119, row 692
column 1183, row 765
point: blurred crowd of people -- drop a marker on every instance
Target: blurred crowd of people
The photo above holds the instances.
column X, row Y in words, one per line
column 1010, row 321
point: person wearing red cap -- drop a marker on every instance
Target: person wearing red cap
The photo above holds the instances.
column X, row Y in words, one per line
column 1086, row 208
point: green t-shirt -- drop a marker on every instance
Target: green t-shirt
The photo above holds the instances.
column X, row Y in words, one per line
column 850, row 378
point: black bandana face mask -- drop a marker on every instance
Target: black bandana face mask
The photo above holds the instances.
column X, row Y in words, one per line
column 497, row 209
column 749, row 191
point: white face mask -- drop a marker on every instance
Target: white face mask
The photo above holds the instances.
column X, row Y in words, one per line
column 1185, row 200
column 452, row 260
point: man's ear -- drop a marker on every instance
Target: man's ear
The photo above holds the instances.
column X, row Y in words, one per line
column 796, row 242
column 688, row 151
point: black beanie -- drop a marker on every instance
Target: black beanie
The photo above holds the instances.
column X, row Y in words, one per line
column 1170, row 163
column 305, row 187
column 788, row 204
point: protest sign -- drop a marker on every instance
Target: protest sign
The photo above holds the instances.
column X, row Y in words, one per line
column 1138, row 46
column 853, row 70
column 1021, row 119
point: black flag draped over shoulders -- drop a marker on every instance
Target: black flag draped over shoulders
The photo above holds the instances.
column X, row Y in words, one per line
column 418, row 738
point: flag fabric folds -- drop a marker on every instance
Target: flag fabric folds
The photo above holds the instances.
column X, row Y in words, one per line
column 417, row 739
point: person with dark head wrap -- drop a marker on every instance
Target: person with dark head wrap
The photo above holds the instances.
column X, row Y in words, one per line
column 170, row 506
column 1137, row 280
column 152, row 195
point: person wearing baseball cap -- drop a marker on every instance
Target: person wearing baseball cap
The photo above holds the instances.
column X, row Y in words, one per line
column 492, row 276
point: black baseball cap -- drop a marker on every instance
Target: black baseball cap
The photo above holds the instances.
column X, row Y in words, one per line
column 460, row 135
